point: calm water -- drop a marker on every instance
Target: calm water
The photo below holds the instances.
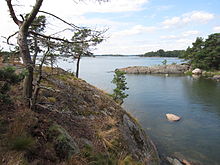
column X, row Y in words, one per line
column 197, row 101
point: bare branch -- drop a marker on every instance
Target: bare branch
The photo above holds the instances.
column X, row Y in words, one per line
column 5, row 42
column 58, row 39
column 33, row 14
column 11, row 37
column 61, row 31
column 22, row 17
column 70, row 24
column 12, row 13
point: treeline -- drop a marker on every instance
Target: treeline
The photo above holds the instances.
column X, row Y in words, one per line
column 204, row 54
column 162, row 53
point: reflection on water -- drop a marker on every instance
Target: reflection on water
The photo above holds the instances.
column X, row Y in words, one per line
column 196, row 100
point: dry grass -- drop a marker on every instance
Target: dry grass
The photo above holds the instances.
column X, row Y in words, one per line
column 77, row 160
column 108, row 133
column 13, row 158
column 24, row 118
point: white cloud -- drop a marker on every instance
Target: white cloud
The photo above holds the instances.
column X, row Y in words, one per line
column 169, row 37
column 185, row 34
column 191, row 17
column 184, row 41
column 164, row 7
column 216, row 29
column 190, row 33
column 83, row 7
column 137, row 29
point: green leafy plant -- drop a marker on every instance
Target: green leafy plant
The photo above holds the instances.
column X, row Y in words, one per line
column 120, row 81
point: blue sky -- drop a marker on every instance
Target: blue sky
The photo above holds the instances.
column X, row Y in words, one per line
column 135, row 26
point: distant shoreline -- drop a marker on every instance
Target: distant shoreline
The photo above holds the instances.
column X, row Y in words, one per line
column 130, row 56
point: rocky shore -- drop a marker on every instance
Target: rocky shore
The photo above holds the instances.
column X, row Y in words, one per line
column 159, row 69
column 74, row 124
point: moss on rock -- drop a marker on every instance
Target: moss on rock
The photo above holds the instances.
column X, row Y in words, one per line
column 65, row 146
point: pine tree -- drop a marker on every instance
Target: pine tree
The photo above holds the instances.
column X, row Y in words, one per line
column 120, row 81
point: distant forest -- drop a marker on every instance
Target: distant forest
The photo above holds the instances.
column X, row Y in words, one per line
column 162, row 53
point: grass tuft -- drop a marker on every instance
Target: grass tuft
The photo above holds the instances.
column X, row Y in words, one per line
column 22, row 143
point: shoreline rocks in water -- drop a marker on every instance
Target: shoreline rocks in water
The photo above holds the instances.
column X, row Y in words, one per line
column 159, row 69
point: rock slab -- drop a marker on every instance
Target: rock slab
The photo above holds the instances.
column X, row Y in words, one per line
column 172, row 117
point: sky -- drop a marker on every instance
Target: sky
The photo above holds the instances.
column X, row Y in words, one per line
column 134, row 26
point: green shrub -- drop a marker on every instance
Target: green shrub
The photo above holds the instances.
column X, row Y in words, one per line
column 8, row 77
column 164, row 62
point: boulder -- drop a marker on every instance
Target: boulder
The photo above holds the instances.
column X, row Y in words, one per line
column 172, row 117
column 216, row 77
column 197, row 71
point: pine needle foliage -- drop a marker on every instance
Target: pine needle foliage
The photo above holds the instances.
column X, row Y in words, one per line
column 121, row 85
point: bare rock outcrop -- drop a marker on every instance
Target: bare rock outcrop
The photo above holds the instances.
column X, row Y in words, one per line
column 159, row 69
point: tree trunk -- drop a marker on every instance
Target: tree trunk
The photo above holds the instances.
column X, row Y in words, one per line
column 37, row 86
column 23, row 46
column 26, row 57
column 77, row 66
column 36, row 50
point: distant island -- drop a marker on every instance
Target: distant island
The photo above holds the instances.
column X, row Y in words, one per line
column 158, row 53
column 162, row 53
column 123, row 55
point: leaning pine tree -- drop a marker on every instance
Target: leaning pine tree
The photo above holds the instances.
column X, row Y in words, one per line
column 120, row 81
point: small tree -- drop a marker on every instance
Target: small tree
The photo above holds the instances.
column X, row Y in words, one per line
column 120, row 81
column 85, row 39
column 164, row 62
